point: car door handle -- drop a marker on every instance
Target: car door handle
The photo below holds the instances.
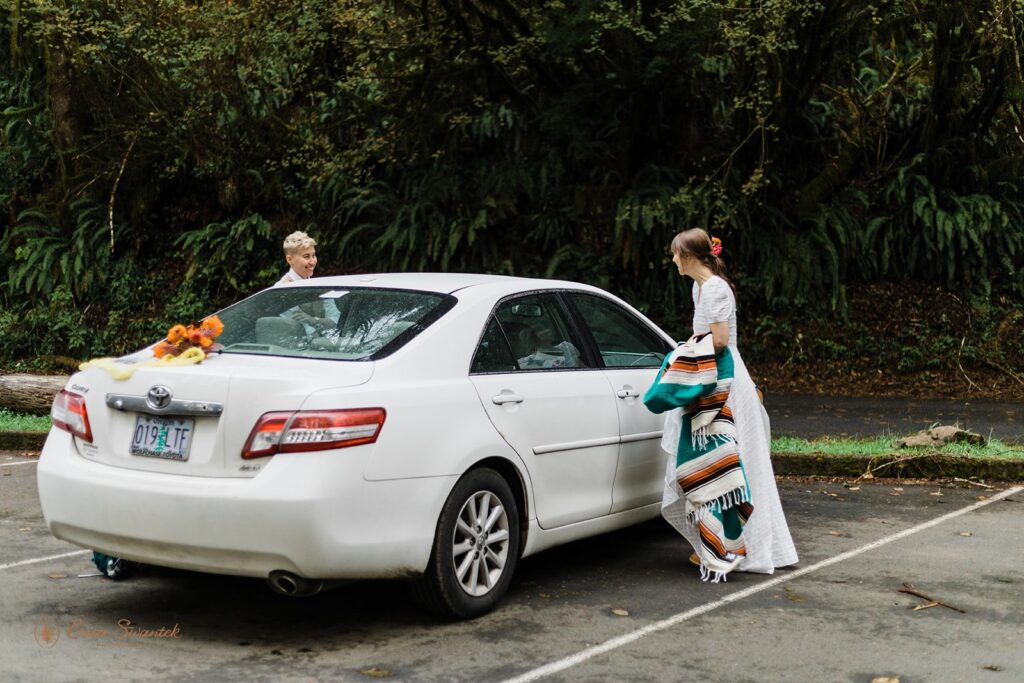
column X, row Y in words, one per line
column 627, row 393
column 507, row 398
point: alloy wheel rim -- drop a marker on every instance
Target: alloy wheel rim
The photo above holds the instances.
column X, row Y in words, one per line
column 480, row 543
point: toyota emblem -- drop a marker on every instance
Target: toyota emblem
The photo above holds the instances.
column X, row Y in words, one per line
column 159, row 397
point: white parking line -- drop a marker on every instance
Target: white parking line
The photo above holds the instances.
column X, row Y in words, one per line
column 12, row 464
column 627, row 638
column 43, row 559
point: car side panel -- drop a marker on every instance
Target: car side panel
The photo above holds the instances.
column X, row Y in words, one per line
column 640, row 477
column 432, row 429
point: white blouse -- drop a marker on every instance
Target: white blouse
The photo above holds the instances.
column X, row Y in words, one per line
column 714, row 302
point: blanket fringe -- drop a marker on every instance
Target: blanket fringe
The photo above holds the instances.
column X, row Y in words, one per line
column 711, row 576
column 700, row 437
column 740, row 494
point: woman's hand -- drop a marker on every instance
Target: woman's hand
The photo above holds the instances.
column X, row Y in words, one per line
column 317, row 323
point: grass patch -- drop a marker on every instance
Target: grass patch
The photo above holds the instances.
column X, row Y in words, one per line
column 881, row 446
column 19, row 422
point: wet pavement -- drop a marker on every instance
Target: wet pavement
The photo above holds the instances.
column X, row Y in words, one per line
column 839, row 617
column 810, row 417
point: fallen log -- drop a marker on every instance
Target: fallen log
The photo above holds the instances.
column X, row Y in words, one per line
column 32, row 394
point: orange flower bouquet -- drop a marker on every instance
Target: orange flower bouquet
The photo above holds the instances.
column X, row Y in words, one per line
column 195, row 336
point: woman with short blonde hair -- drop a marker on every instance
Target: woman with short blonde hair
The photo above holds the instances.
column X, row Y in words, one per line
column 300, row 253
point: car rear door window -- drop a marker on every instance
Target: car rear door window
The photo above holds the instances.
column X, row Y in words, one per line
column 622, row 339
column 539, row 333
column 493, row 354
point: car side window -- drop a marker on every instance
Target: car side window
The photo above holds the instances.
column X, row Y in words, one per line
column 622, row 339
column 493, row 353
column 539, row 333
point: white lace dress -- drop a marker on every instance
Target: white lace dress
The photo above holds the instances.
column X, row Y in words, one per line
column 769, row 544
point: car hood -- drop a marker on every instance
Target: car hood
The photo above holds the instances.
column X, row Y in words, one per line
column 239, row 387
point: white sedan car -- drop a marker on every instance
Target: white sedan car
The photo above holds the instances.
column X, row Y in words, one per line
column 435, row 427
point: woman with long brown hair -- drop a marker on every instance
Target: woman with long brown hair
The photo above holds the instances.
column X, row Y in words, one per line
column 766, row 541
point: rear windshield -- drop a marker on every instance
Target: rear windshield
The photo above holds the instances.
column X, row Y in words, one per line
column 353, row 323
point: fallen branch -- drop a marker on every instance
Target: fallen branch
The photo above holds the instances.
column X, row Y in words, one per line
column 976, row 483
column 909, row 588
column 870, row 473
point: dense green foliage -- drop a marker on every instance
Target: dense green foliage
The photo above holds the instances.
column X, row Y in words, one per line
column 154, row 154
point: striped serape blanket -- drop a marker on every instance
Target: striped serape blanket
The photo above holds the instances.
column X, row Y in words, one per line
column 708, row 472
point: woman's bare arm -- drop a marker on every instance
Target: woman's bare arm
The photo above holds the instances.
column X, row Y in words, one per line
column 720, row 335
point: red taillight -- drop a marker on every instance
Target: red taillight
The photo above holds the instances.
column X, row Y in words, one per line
column 312, row 430
column 68, row 413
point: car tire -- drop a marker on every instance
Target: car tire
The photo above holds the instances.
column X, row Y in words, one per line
column 472, row 562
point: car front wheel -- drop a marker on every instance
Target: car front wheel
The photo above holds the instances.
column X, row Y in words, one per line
column 476, row 548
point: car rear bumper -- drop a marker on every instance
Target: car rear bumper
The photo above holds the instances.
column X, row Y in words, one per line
column 312, row 514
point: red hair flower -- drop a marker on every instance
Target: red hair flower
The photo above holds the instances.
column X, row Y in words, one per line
column 716, row 246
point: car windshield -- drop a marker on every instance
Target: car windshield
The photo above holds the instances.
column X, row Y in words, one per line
column 334, row 323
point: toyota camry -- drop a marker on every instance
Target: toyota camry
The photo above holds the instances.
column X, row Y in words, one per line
column 430, row 427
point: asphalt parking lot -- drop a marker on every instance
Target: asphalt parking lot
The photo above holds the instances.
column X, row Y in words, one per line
column 620, row 607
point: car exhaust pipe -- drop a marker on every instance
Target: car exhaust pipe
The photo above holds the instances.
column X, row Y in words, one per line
column 293, row 585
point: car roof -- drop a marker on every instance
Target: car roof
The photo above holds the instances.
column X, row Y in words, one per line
column 446, row 283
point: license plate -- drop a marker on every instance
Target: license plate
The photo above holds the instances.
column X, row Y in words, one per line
column 162, row 437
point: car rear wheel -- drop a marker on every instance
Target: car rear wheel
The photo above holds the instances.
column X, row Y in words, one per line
column 476, row 548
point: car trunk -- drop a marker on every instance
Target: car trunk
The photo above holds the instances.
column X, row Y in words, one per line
column 189, row 436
